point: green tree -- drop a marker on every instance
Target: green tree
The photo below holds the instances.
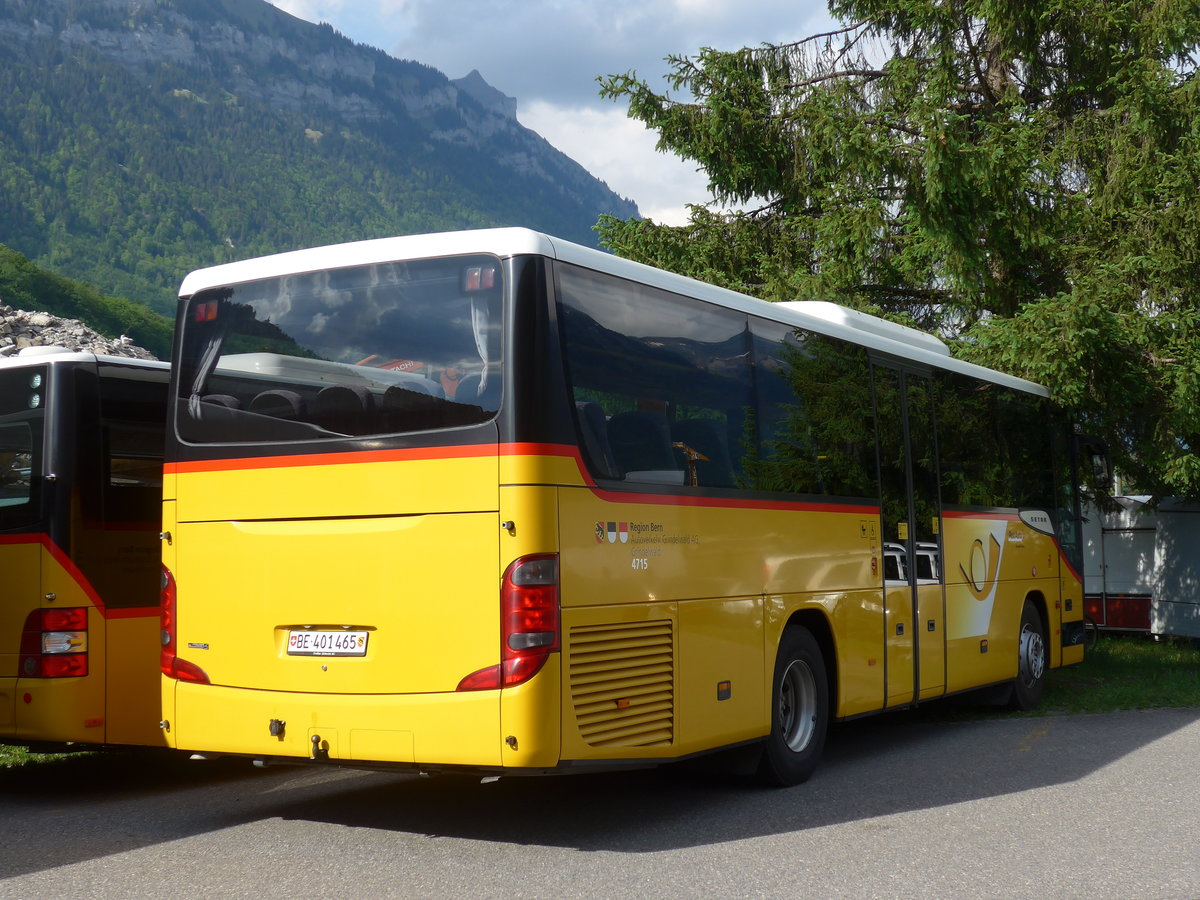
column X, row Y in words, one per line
column 26, row 286
column 1015, row 176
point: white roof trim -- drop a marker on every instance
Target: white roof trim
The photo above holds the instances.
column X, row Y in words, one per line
column 853, row 318
column 65, row 355
column 503, row 242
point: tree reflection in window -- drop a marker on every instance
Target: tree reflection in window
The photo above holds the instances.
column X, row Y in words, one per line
column 813, row 417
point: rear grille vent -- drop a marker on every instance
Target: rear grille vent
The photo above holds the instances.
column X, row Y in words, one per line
column 623, row 684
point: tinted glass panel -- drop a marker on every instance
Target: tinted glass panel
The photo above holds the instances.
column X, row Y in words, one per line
column 16, row 463
column 661, row 384
column 23, row 396
column 133, row 408
column 1066, row 509
column 996, row 446
column 919, row 407
column 120, row 418
column 397, row 347
column 814, row 417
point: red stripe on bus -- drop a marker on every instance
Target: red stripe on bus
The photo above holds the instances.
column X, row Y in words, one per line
column 670, row 499
column 1066, row 562
column 712, row 502
column 354, row 457
column 21, row 538
column 731, row 503
column 526, row 449
column 476, row 451
column 466, row 451
column 76, row 575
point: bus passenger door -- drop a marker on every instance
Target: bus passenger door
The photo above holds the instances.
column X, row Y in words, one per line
column 914, row 605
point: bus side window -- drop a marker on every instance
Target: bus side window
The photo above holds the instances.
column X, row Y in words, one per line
column 16, row 461
column 133, row 492
column 131, row 430
column 813, row 430
column 671, row 403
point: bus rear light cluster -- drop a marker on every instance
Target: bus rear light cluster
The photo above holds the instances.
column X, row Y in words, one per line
column 172, row 666
column 54, row 643
column 529, row 624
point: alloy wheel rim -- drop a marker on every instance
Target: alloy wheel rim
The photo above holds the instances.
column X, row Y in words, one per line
column 797, row 705
column 1033, row 655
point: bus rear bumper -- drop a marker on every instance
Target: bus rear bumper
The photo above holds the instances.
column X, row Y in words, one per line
column 68, row 710
column 408, row 730
column 456, row 729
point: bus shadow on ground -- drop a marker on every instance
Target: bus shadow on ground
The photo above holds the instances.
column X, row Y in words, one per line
column 877, row 767
column 106, row 774
column 124, row 801
column 91, row 804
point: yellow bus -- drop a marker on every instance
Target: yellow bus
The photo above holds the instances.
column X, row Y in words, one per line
column 492, row 502
column 81, row 450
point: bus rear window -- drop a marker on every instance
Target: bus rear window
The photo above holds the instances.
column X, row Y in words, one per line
column 369, row 350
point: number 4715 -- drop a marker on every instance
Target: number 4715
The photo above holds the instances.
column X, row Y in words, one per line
column 641, row 562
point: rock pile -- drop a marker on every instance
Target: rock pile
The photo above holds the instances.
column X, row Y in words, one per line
column 20, row 329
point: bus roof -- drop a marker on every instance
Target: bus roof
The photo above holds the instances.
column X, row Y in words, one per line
column 819, row 316
column 60, row 355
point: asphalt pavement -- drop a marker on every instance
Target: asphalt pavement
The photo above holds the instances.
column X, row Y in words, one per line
column 1103, row 806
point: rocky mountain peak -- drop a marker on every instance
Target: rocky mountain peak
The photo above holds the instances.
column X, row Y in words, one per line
column 486, row 96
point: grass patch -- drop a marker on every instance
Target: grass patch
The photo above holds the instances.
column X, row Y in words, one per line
column 15, row 757
column 1127, row 672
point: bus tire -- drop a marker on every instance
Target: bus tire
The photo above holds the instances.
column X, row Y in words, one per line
column 799, row 711
column 1032, row 664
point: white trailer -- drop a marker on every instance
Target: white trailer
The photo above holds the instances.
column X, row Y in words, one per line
column 1142, row 566
column 1118, row 564
column 1175, row 596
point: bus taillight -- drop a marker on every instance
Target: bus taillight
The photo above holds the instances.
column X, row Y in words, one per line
column 54, row 643
column 529, row 624
column 171, row 665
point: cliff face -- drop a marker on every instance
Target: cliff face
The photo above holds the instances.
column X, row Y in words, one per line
column 260, row 53
column 296, row 65
column 296, row 114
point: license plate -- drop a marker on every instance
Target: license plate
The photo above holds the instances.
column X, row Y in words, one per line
column 327, row 643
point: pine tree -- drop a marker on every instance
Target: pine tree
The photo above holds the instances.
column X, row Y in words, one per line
column 1019, row 177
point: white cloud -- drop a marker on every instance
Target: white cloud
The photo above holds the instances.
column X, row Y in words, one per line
column 620, row 151
column 309, row 10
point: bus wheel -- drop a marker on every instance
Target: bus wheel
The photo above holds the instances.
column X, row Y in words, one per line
column 799, row 711
column 1031, row 660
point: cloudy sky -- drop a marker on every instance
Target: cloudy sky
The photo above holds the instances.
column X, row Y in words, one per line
column 548, row 53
